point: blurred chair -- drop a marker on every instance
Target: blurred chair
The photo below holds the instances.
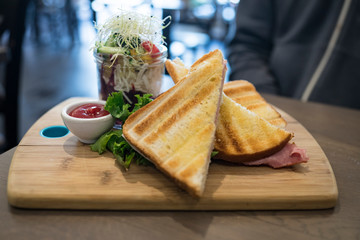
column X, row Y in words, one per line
column 12, row 29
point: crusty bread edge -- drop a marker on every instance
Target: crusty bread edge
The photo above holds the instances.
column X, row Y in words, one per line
column 173, row 68
column 184, row 187
column 252, row 157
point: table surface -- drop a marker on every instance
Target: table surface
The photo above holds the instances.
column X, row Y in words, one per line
column 337, row 131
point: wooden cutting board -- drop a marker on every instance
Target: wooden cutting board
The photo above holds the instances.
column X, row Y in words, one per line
column 62, row 173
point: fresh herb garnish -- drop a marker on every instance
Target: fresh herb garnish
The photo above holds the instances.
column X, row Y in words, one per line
column 124, row 154
column 126, row 30
column 116, row 106
column 213, row 153
column 113, row 140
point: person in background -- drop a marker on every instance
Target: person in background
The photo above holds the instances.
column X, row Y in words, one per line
column 308, row 49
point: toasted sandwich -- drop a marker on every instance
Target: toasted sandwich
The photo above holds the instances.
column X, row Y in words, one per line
column 176, row 69
column 241, row 91
column 241, row 135
column 244, row 93
column 176, row 131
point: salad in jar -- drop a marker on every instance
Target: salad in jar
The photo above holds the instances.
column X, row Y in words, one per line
column 130, row 55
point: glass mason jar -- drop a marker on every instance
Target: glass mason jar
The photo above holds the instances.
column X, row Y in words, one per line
column 132, row 75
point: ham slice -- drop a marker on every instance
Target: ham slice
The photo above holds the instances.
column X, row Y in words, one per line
column 288, row 156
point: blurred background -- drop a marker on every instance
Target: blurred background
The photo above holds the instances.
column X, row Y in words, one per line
column 45, row 54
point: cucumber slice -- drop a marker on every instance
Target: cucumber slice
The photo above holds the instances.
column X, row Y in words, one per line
column 111, row 42
column 109, row 50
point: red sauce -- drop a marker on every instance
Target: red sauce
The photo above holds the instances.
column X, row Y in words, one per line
column 89, row 110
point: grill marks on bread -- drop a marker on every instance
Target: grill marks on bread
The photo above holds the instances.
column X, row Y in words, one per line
column 180, row 166
column 244, row 93
column 176, row 131
column 239, row 90
column 155, row 116
column 176, row 98
column 241, row 135
column 182, row 112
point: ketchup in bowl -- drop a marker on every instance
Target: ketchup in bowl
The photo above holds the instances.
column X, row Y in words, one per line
column 89, row 110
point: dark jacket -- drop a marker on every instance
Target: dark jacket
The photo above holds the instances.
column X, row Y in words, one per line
column 293, row 48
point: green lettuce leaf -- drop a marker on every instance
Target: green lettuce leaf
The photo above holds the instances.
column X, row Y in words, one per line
column 142, row 101
column 214, row 153
column 113, row 140
column 117, row 107
column 124, row 154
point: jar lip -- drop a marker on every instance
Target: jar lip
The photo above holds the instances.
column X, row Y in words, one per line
column 162, row 54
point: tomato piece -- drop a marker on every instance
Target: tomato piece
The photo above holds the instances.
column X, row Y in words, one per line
column 150, row 47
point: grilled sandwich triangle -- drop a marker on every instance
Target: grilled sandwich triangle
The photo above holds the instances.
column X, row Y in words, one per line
column 176, row 131
column 248, row 128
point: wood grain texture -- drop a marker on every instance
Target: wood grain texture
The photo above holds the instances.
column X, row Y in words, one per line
column 64, row 173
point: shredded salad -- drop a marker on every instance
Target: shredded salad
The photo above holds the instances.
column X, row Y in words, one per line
column 130, row 54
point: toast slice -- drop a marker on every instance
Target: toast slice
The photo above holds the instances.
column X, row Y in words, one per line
column 176, row 131
column 176, row 69
column 241, row 91
column 244, row 93
column 242, row 135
